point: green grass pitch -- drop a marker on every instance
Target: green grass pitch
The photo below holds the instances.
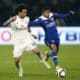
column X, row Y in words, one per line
column 69, row 58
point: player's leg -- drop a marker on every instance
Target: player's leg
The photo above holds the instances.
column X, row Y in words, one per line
column 54, row 54
column 54, row 47
column 47, row 53
column 17, row 61
column 37, row 51
column 17, row 57
column 31, row 46
column 18, row 65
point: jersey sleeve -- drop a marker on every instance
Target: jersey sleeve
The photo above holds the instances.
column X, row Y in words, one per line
column 34, row 22
column 56, row 15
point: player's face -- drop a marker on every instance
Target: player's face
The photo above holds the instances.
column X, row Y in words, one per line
column 46, row 13
column 23, row 13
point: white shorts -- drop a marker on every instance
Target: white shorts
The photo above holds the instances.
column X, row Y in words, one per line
column 22, row 46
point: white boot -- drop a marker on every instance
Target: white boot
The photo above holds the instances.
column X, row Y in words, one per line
column 45, row 63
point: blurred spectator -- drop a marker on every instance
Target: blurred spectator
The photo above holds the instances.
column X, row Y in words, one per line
column 35, row 6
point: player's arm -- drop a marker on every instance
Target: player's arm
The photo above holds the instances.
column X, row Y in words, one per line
column 29, row 29
column 34, row 36
column 63, row 15
column 6, row 23
column 60, row 22
column 34, row 22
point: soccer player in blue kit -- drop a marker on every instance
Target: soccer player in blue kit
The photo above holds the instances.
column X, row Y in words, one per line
column 47, row 22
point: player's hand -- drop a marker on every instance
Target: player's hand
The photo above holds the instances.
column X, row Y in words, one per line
column 6, row 23
column 72, row 12
column 34, row 36
column 12, row 19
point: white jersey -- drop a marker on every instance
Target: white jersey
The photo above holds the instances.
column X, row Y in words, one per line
column 19, row 29
column 22, row 39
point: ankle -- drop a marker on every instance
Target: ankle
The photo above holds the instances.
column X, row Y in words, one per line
column 57, row 67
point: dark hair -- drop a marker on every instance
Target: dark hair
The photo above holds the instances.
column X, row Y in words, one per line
column 19, row 8
column 46, row 8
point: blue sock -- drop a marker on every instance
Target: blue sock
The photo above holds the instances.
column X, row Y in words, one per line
column 55, row 58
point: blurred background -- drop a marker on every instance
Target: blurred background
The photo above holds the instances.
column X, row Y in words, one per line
column 69, row 33
column 35, row 6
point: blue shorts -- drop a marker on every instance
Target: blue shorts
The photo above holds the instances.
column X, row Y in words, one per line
column 48, row 42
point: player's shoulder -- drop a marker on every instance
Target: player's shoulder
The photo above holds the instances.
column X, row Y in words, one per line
column 53, row 14
column 38, row 19
column 17, row 17
column 44, row 18
column 27, row 18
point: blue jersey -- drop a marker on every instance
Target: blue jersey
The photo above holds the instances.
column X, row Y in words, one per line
column 49, row 25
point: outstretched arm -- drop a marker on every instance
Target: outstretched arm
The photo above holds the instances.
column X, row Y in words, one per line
column 34, row 22
column 6, row 23
column 63, row 15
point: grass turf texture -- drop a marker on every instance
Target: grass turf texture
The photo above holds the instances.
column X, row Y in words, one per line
column 69, row 58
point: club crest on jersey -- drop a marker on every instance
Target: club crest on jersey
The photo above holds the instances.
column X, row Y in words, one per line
column 46, row 22
column 50, row 24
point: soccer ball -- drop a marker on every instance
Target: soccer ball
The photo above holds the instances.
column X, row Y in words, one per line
column 61, row 72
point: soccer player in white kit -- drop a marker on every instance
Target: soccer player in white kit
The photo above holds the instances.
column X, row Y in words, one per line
column 22, row 38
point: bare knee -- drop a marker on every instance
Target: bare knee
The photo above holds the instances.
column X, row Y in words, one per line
column 36, row 50
column 17, row 59
column 54, row 47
